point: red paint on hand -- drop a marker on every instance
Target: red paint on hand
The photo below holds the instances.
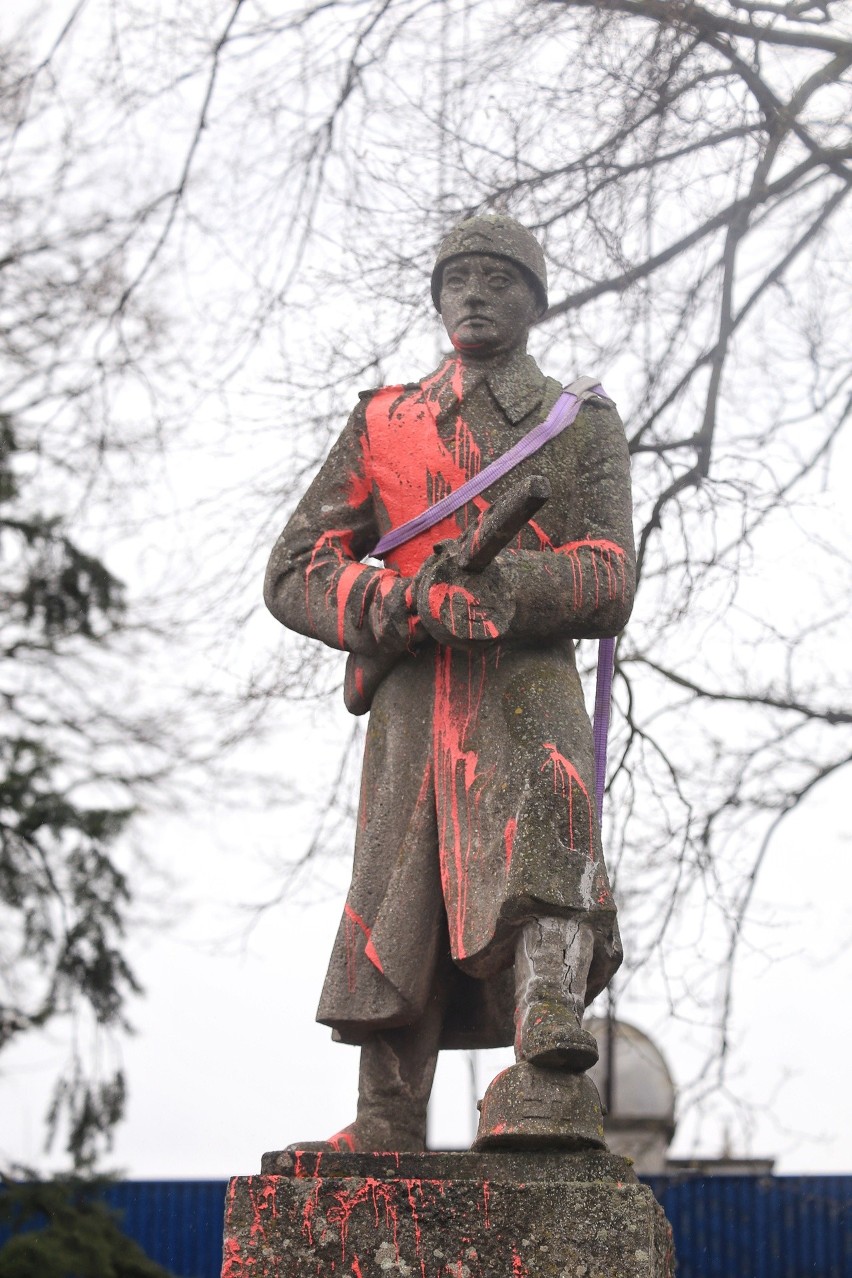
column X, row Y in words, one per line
column 460, row 612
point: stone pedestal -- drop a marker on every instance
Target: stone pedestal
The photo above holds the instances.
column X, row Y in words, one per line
column 506, row 1214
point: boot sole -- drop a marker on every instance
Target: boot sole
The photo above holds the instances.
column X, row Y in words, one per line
column 576, row 1057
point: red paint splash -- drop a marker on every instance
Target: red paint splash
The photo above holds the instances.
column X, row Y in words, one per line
column 468, row 347
column 372, row 1191
column 334, row 578
column 475, row 624
column 607, row 560
column 411, row 466
column 309, row 1211
column 519, row 1269
column 565, row 778
column 486, row 1199
column 307, row 1164
column 382, row 1199
column 409, row 1187
column 509, row 840
column 346, row 581
column 233, row 1264
column 459, row 784
column 354, row 922
column 264, row 1205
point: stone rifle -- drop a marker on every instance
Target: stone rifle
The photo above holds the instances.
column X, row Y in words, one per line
column 473, row 551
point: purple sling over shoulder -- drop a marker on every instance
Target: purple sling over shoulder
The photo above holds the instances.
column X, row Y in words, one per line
column 561, row 415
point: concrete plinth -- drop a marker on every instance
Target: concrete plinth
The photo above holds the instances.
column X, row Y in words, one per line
column 506, row 1214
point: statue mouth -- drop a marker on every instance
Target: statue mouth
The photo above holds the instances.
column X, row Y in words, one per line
column 470, row 347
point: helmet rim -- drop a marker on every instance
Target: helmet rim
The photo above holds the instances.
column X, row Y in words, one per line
column 493, row 235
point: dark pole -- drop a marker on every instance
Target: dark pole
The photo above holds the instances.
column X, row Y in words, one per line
column 609, row 1081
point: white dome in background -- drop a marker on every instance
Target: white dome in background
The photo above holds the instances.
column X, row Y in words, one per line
column 642, row 1085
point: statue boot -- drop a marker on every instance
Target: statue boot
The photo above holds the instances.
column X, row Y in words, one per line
column 394, row 1083
column 552, row 960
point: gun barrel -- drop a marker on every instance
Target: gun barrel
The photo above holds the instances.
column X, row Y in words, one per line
column 483, row 541
column 501, row 522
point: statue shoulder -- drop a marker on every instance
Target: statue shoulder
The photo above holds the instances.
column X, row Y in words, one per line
column 592, row 391
column 379, row 403
column 365, row 396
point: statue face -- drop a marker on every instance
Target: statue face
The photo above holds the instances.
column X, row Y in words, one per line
column 486, row 304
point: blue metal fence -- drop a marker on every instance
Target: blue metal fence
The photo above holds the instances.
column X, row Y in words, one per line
column 724, row 1226
column 177, row 1222
column 759, row 1227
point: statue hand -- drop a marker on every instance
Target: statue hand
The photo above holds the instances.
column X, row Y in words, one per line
column 392, row 618
column 461, row 608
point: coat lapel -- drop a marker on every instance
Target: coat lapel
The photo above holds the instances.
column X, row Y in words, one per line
column 517, row 386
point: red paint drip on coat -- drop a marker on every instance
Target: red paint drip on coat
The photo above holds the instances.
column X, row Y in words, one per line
column 353, row 921
column 606, row 557
column 509, row 840
column 565, row 777
column 411, row 467
column 459, row 783
column 333, row 562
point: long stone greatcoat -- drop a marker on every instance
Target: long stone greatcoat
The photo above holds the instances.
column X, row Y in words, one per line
column 477, row 793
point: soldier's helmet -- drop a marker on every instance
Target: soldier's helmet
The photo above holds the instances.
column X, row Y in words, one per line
column 502, row 236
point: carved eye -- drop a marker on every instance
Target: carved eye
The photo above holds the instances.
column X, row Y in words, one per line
column 453, row 279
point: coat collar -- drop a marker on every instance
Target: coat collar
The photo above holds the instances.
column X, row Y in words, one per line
column 516, row 383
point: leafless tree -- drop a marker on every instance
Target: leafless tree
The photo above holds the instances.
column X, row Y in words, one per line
column 687, row 167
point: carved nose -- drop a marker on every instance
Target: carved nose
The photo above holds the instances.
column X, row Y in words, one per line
column 473, row 290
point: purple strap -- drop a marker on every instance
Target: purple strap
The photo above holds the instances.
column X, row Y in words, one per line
column 562, row 414
column 600, row 731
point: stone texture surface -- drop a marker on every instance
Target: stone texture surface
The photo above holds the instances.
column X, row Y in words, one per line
column 489, row 1215
column 477, row 809
column 525, row 1105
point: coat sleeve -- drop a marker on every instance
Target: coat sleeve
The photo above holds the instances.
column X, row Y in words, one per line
column 584, row 585
column 315, row 583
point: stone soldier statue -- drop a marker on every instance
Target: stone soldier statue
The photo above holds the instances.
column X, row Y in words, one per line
column 480, row 911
